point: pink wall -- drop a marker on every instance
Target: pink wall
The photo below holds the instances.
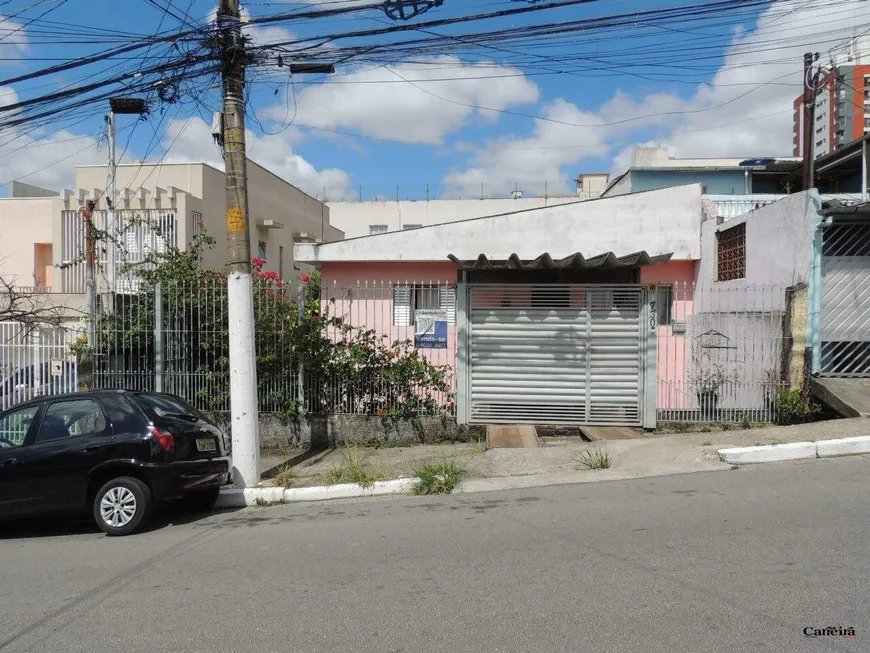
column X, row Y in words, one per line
column 24, row 222
column 672, row 348
column 362, row 293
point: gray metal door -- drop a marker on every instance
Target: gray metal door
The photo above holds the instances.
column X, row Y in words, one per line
column 845, row 315
column 555, row 354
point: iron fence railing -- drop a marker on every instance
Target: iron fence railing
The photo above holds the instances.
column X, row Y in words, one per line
column 36, row 360
column 720, row 353
column 385, row 348
column 379, row 349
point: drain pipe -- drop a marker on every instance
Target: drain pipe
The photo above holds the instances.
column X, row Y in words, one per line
column 815, row 298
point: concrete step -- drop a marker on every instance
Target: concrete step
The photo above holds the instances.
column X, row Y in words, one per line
column 511, row 437
column 849, row 397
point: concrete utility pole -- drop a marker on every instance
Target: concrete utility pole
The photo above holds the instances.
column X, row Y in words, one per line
column 243, row 368
column 809, row 120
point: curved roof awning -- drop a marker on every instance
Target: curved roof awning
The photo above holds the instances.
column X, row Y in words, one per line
column 606, row 261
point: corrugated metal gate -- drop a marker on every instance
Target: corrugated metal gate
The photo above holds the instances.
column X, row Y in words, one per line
column 556, row 354
column 845, row 315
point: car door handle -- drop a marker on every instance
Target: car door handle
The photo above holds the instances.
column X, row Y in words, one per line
column 9, row 462
column 93, row 447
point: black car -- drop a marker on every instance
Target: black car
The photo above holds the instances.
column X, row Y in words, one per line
column 113, row 452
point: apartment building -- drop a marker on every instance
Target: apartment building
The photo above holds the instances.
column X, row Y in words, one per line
column 842, row 107
column 157, row 206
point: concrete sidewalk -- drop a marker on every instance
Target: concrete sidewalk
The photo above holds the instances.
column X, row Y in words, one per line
column 554, row 462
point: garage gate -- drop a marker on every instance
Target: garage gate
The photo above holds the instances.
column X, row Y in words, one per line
column 559, row 355
column 845, row 301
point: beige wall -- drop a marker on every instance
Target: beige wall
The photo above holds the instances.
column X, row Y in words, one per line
column 269, row 198
column 24, row 222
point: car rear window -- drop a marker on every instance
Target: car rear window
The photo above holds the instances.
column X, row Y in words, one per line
column 166, row 406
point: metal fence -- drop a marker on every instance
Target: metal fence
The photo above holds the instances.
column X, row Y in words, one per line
column 385, row 192
column 720, row 353
column 35, row 361
column 357, row 349
column 383, row 348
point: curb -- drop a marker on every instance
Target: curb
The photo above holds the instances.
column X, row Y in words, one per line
column 796, row 451
column 241, row 498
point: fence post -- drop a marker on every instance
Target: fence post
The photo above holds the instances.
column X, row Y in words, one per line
column 300, row 379
column 158, row 338
column 35, row 338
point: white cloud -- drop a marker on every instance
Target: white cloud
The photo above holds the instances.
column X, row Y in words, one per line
column 531, row 161
column 717, row 120
column 191, row 140
column 43, row 159
column 722, row 119
column 376, row 102
column 14, row 38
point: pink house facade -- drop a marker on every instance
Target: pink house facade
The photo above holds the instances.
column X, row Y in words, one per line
column 545, row 316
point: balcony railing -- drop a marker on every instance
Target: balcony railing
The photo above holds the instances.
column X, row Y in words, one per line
column 729, row 207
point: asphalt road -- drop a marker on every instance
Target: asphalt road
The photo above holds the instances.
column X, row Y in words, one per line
column 725, row 561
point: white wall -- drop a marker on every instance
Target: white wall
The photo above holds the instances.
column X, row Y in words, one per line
column 354, row 218
column 779, row 244
column 659, row 222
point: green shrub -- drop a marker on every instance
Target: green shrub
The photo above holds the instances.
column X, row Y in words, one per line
column 794, row 407
column 353, row 469
column 594, row 459
column 285, row 476
column 439, row 478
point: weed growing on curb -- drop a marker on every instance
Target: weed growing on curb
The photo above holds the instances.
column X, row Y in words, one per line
column 706, row 443
column 262, row 503
column 438, row 478
column 479, row 445
column 353, row 469
column 594, row 459
column 285, row 476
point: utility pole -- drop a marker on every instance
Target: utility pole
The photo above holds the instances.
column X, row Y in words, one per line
column 90, row 278
column 809, row 120
column 117, row 106
column 111, row 194
column 244, row 417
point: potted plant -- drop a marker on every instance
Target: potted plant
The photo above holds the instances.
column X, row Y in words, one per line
column 708, row 381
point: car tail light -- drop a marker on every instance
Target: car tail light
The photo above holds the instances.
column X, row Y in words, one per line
column 164, row 438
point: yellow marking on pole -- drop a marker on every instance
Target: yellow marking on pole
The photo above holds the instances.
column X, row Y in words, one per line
column 236, row 220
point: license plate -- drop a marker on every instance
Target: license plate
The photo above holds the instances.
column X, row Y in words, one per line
column 206, row 445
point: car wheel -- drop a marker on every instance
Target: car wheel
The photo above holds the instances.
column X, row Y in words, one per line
column 123, row 505
column 201, row 500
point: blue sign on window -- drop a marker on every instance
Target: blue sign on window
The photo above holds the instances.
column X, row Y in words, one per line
column 430, row 330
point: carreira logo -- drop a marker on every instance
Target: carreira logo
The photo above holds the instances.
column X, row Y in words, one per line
column 830, row 631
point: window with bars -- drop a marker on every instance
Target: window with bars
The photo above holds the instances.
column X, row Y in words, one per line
column 664, row 305
column 375, row 229
column 731, row 253
column 409, row 299
column 198, row 224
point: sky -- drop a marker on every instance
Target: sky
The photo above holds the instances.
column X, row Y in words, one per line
column 489, row 120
